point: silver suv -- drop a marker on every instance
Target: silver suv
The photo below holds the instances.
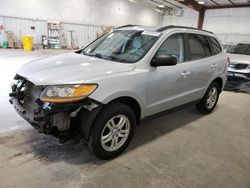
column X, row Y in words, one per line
column 102, row 91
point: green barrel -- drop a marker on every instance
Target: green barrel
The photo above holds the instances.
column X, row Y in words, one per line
column 5, row 44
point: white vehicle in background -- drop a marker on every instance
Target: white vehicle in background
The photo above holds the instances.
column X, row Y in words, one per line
column 102, row 91
column 239, row 67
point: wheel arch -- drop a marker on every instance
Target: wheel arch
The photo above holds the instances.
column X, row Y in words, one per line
column 219, row 80
column 87, row 118
column 132, row 103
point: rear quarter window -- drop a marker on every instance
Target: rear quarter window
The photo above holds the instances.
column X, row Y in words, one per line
column 215, row 45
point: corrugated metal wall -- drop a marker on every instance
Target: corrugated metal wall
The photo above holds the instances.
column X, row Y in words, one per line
column 233, row 38
column 83, row 33
column 22, row 27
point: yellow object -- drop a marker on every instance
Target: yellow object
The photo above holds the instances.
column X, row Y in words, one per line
column 27, row 43
column 79, row 92
column 83, row 90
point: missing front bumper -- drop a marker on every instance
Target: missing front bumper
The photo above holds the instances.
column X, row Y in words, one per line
column 48, row 118
column 54, row 119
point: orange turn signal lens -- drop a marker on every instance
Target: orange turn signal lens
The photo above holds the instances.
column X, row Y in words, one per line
column 67, row 93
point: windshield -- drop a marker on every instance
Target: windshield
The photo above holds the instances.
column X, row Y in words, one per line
column 243, row 49
column 122, row 45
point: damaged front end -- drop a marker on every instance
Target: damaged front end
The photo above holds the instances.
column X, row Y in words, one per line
column 56, row 119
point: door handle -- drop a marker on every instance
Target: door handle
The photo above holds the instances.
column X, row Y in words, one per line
column 214, row 65
column 184, row 74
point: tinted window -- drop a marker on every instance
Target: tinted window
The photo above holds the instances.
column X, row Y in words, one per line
column 199, row 47
column 248, row 51
column 215, row 46
column 240, row 49
column 173, row 46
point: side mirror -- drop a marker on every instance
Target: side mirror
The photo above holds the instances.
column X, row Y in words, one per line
column 163, row 60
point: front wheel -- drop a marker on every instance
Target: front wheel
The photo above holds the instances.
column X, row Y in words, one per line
column 210, row 99
column 112, row 130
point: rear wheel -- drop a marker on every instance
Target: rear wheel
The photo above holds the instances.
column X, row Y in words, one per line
column 210, row 99
column 112, row 130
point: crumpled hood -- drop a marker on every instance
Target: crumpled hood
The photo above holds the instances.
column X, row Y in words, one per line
column 238, row 58
column 71, row 68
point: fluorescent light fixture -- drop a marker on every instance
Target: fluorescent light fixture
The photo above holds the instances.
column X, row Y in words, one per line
column 201, row 2
column 161, row 6
column 133, row 1
column 158, row 10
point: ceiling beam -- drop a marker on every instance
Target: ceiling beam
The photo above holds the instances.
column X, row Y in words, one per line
column 171, row 3
column 229, row 6
column 231, row 2
column 192, row 4
column 159, row 4
column 214, row 2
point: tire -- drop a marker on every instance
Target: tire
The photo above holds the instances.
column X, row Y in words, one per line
column 204, row 106
column 105, row 130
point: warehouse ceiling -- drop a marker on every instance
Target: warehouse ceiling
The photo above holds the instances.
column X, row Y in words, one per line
column 222, row 2
column 170, row 4
column 164, row 4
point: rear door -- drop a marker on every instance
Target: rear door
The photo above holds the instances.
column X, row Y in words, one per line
column 171, row 86
column 219, row 63
column 199, row 64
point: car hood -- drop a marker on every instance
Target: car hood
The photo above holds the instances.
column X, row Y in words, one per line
column 71, row 68
column 238, row 58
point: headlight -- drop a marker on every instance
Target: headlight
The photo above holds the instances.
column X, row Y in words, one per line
column 67, row 93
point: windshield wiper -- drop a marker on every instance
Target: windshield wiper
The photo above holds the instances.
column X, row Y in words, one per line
column 112, row 58
column 98, row 55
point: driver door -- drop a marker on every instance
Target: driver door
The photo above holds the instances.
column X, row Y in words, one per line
column 168, row 85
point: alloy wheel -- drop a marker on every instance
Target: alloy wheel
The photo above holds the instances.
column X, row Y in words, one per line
column 115, row 133
column 212, row 97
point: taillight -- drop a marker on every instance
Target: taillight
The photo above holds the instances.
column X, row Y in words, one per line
column 228, row 60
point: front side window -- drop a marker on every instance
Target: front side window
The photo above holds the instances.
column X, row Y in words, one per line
column 173, row 46
column 126, row 46
column 199, row 47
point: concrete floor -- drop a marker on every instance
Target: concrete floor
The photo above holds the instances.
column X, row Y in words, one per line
column 181, row 149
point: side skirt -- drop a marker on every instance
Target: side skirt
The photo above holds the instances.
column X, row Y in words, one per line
column 170, row 110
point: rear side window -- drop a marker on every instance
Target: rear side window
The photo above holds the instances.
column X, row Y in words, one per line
column 199, row 47
column 215, row 46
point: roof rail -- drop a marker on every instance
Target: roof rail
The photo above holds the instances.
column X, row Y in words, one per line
column 181, row 27
column 129, row 25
